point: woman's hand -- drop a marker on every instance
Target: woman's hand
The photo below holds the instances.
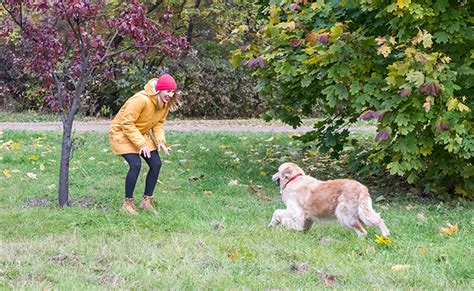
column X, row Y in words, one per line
column 145, row 151
column 164, row 148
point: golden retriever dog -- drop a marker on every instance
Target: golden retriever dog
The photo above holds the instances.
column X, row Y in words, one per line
column 308, row 200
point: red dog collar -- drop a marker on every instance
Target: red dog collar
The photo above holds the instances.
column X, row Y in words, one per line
column 292, row 178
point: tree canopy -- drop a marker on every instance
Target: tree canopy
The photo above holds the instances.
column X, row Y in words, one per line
column 407, row 64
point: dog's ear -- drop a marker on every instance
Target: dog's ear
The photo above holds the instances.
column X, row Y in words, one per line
column 286, row 173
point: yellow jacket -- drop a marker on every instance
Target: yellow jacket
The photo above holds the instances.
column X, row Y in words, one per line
column 130, row 129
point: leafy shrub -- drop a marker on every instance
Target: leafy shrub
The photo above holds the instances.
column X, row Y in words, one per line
column 407, row 64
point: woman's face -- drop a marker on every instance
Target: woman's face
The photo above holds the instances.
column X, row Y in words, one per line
column 166, row 95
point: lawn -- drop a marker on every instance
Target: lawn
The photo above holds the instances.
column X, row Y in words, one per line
column 214, row 200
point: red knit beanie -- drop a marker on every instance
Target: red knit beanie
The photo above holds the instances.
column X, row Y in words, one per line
column 165, row 82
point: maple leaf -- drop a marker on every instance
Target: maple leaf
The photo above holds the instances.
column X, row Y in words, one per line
column 403, row 3
column 311, row 37
column 415, row 77
column 384, row 50
column 431, row 89
column 380, row 40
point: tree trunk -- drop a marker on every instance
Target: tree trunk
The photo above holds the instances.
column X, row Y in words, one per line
column 189, row 33
column 64, row 164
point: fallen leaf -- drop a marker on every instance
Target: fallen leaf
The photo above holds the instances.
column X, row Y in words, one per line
column 207, row 193
column 34, row 158
column 233, row 183
column 422, row 249
column 6, row 173
column 233, row 255
column 327, row 279
column 449, row 229
column 42, row 167
column 32, row 176
column 409, row 207
column 421, row 216
column 397, row 268
column 195, row 178
column 383, row 240
column 91, row 158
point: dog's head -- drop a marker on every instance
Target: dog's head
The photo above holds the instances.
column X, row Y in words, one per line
column 285, row 172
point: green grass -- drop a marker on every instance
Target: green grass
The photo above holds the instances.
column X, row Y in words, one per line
column 214, row 200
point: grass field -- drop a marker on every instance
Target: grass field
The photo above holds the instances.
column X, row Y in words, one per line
column 214, row 200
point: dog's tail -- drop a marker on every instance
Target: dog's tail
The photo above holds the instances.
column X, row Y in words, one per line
column 368, row 215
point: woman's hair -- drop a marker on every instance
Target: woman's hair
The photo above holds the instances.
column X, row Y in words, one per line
column 175, row 101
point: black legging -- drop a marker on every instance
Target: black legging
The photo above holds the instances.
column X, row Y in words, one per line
column 135, row 163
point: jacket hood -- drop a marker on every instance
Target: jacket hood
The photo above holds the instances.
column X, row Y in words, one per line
column 149, row 90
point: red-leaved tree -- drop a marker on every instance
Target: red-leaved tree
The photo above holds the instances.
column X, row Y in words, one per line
column 65, row 43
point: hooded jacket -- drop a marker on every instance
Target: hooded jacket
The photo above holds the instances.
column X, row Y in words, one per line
column 130, row 129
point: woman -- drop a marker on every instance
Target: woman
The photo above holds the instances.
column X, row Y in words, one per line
column 130, row 136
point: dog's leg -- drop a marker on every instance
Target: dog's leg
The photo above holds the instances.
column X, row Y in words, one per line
column 347, row 217
column 277, row 217
column 295, row 221
column 371, row 218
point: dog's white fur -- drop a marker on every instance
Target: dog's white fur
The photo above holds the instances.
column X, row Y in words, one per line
column 308, row 199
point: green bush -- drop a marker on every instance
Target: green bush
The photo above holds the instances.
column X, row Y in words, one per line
column 406, row 63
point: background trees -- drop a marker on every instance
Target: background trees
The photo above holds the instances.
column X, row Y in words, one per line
column 406, row 64
column 67, row 45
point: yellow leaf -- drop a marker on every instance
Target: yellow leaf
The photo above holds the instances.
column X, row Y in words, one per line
column 34, row 158
column 397, row 268
column 233, row 255
column 449, row 229
column 459, row 190
column 207, row 193
column 452, row 104
column 314, row 5
column 42, row 167
column 463, row 108
column 15, row 146
column 6, row 173
column 403, row 3
column 383, row 240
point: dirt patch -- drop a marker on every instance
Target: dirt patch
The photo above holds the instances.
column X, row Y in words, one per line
column 85, row 202
column 36, row 202
column 65, row 260
column 299, row 267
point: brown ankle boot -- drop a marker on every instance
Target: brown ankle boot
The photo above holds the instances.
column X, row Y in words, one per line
column 147, row 202
column 129, row 206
